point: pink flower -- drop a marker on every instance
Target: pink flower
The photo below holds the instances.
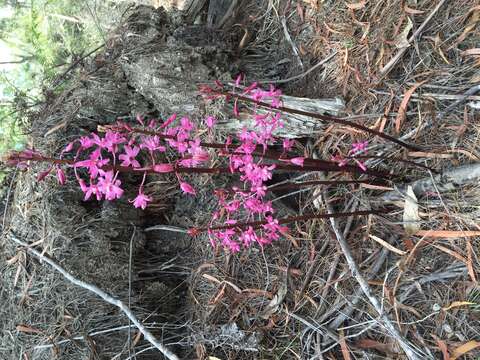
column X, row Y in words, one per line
column 170, row 120
column 128, row 159
column 109, row 185
column 210, row 121
column 163, row 168
column 297, row 161
column 86, row 142
column 94, row 163
column 60, row 176
column 186, row 124
column 111, row 141
column 235, row 108
column 91, row 190
column 141, row 201
column 152, row 143
column 287, row 144
column 68, row 148
column 44, row 174
column 340, row 160
column 249, row 89
column 248, row 237
column 360, row 164
column 187, row 188
column 238, row 80
column 359, row 147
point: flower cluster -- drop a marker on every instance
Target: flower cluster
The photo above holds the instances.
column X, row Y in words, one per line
column 241, row 206
column 125, row 149
column 244, row 215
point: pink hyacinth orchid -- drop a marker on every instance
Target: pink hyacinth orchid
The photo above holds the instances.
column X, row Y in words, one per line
column 128, row 159
column 141, row 201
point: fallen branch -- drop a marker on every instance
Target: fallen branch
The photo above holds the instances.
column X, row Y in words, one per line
column 384, row 320
column 448, row 181
column 97, row 291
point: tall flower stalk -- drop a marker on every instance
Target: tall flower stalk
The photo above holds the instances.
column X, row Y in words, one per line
column 244, row 215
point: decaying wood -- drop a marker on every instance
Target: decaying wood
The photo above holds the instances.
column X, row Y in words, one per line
column 450, row 180
column 193, row 8
column 295, row 126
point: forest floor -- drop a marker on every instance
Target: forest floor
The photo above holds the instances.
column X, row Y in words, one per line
column 410, row 69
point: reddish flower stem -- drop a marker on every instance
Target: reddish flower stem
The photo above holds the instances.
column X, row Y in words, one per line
column 295, row 185
column 320, row 117
column 256, row 224
column 310, row 163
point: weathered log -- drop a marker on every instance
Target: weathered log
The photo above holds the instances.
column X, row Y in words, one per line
column 294, row 126
column 450, row 180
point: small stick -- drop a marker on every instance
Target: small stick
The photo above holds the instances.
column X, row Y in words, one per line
column 290, row 41
column 97, row 291
column 472, row 91
column 407, row 348
column 388, row 67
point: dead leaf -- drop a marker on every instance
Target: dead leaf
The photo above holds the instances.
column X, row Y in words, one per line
column 430, row 155
column 450, row 252
column 470, row 268
column 402, row 110
column 27, row 329
column 411, row 218
column 443, row 347
column 344, row 347
column 471, row 25
column 300, row 12
column 457, row 304
column 376, row 187
column 213, row 358
column 448, row 234
column 387, row 245
column 401, row 40
column 463, row 349
column 411, row 11
column 357, row 6
column 373, row 344
column 274, row 304
column 475, row 51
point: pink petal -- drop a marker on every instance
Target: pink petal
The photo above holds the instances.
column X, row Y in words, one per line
column 61, row 176
column 297, row 161
column 187, row 188
column 43, row 174
column 210, row 121
column 238, row 80
column 168, row 121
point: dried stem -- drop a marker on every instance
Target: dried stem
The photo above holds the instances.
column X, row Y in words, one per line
column 407, row 348
column 289, row 219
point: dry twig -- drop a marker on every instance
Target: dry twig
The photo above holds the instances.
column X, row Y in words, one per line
column 385, row 321
column 448, row 181
column 108, row 298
